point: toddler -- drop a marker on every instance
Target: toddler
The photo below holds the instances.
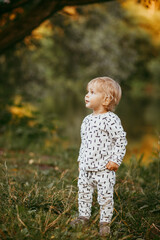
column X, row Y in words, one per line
column 103, row 146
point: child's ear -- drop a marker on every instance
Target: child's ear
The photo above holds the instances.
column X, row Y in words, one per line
column 106, row 101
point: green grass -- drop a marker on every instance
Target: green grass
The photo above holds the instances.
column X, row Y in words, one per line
column 38, row 198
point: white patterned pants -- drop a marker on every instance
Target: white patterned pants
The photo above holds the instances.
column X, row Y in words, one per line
column 104, row 182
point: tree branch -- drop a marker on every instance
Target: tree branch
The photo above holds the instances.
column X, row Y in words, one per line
column 17, row 30
column 81, row 2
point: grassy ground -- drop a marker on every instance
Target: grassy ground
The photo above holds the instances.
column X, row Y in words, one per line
column 38, row 198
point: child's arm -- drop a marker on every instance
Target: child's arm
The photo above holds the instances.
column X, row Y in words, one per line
column 118, row 137
column 82, row 147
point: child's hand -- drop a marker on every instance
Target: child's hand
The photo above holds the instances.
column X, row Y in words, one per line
column 112, row 166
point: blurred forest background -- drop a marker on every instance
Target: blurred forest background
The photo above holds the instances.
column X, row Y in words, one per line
column 44, row 70
column 44, row 77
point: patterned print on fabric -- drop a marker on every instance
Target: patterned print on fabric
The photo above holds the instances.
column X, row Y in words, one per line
column 102, row 140
column 104, row 182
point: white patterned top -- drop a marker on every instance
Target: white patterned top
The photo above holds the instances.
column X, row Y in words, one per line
column 102, row 140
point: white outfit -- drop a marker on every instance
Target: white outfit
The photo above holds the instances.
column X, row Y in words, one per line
column 102, row 140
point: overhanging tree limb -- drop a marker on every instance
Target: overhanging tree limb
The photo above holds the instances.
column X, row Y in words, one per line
column 80, row 2
column 17, row 30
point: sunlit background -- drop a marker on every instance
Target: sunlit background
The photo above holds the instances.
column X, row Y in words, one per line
column 44, row 78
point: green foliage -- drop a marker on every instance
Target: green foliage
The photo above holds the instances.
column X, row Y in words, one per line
column 23, row 127
column 38, row 195
column 51, row 73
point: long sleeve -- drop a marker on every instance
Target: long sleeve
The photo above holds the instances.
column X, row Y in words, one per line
column 102, row 140
column 118, row 138
column 81, row 150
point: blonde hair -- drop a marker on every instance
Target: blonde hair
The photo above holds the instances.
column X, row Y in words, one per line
column 111, row 89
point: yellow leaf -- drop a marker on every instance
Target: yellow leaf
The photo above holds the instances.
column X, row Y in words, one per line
column 12, row 16
column 70, row 10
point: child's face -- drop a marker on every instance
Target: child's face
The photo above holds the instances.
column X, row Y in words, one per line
column 95, row 98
